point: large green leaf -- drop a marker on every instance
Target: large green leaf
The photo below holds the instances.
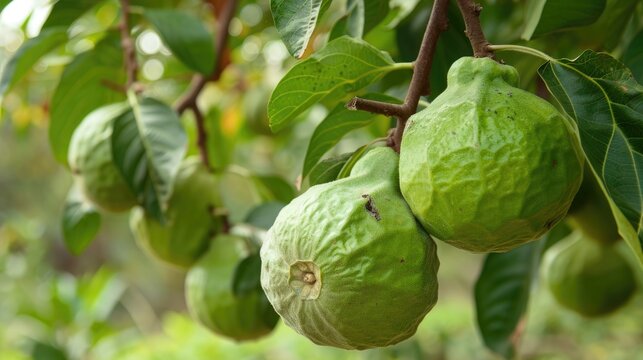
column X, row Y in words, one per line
column 186, row 36
column 65, row 12
column 633, row 56
column 606, row 102
column 148, row 144
column 4, row 3
column 327, row 169
column 273, row 187
column 546, row 16
column 28, row 54
column 335, row 126
column 343, row 66
column 502, row 294
column 296, row 20
column 352, row 160
column 83, row 87
column 80, row 222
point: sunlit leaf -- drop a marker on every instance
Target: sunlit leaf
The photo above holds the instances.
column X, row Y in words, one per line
column 606, row 102
column 148, row 144
column 296, row 20
column 80, row 222
column 546, row 16
column 186, row 36
column 86, row 84
column 28, row 55
column 343, row 66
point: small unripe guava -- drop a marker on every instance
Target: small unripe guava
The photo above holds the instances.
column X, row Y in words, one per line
column 487, row 166
column 347, row 265
column 90, row 160
column 190, row 222
column 211, row 300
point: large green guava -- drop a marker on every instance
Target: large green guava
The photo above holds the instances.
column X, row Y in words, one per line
column 190, row 221
column 591, row 213
column 347, row 265
column 90, row 160
column 486, row 166
column 211, row 300
column 588, row 277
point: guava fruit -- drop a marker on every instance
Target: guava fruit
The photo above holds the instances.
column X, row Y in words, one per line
column 588, row 277
column 190, row 221
column 90, row 160
column 211, row 300
column 347, row 265
column 486, row 166
column 591, row 213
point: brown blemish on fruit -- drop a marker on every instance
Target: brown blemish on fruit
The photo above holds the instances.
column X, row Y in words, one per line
column 370, row 207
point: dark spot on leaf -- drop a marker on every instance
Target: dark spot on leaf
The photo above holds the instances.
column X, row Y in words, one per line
column 370, row 207
column 402, row 260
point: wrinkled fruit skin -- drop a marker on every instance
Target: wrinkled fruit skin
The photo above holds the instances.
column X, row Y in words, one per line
column 587, row 277
column 591, row 213
column 346, row 264
column 90, row 160
column 487, row 166
column 190, row 224
column 210, row 298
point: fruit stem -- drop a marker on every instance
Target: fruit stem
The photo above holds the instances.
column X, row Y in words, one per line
column 419, row 82
column 189, row 99
column 471, row 15
column 522, row 49
column 127, row 43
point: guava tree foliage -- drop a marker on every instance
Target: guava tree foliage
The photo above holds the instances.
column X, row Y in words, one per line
column 371, row 64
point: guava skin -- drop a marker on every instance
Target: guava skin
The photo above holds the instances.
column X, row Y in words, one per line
column 486, row 166
column 588, row 277
column 347, row 265
column 90, row 160
column 190, row 224
column 210, row 298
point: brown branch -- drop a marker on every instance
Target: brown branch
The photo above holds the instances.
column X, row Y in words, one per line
column 189, row 99
column 419, row 82
column 129, row 51
column 471, row 15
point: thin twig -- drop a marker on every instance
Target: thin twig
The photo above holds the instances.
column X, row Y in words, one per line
column 419, row 82
column 129, row 51
column 471, row 15
column 189, row 98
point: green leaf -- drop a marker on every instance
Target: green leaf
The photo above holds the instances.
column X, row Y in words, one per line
column 65, row 12
column 148, row 144
column 327, row 169
column 99, row 294
column 502, row 294
column 352, row 160
column 80, row 222
column 606, row 102
column 339, row 122
column 83, row 88
column 296, row 20
column 274, row 187
column 186, row 36
column 28, row 55
column 247, row 274
column 361, row 17
column 546, row 16
column 343, row 66
column 4, row 3
column 264, row 215
column 633, row 56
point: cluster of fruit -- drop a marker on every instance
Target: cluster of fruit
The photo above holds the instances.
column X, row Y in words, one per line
column 191, row 237
column 486, row 167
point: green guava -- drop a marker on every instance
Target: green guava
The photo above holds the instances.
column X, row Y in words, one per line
column 591, row 213
column 190, row 222
column 588, row 277
column 486, row 166
column 347, row 265
column 211, row 300
column 90, row 160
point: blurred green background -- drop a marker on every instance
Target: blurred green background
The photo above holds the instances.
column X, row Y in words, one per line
column 115, row 302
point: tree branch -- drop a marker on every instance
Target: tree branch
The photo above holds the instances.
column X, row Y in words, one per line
column 471, row 15
column 129, row 51
column 419, row 82
column 189, row 98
